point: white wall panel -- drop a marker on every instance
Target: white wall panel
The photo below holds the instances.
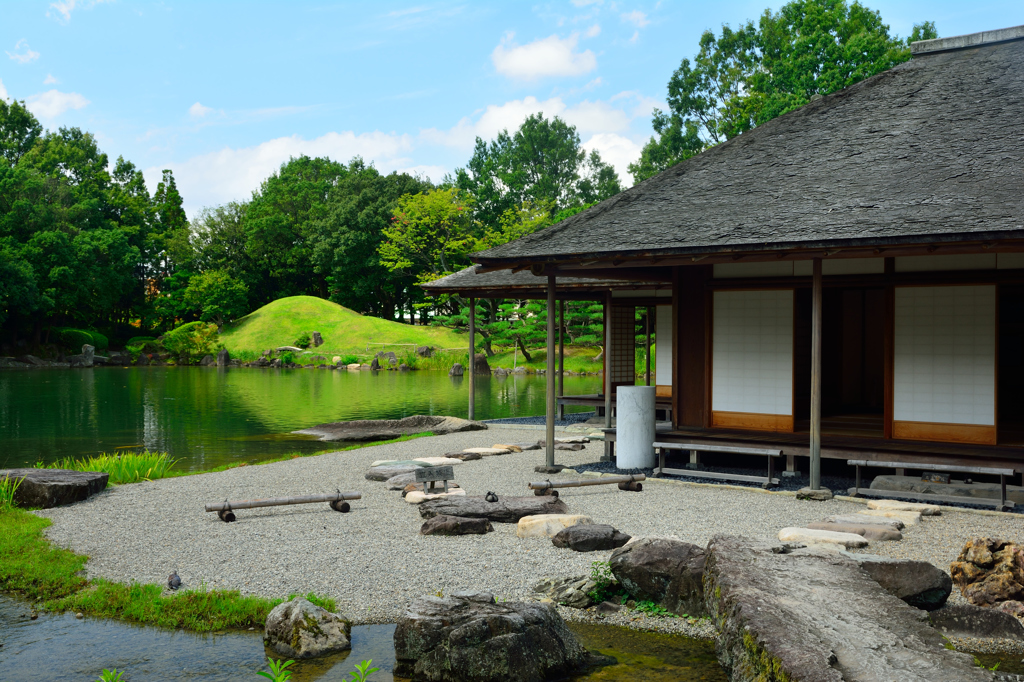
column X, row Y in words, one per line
column 970, row 261
column 663, row 345
column 752, row 367
column 945, row 346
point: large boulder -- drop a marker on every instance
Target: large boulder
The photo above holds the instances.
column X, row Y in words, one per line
column 223, row 357
column 207, row 360
column 457, row 370
column 455, row 525
column 916, row 582
column 301, row 629
column 317, row 339
column 548, row 525
column 505, row 510
column 386, row 429
column 45, row 488
column 480, row 365
column 590, row 537
column 663, row 570
column 424, row 351
column 989, row 571
column 572, row 591
column 967, row 620
column 814, row 614
column 470, row 638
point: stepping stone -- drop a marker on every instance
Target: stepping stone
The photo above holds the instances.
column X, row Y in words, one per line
column 810, row 536
column 488, row 452
column 463, row 456
column 384, row 473
column 418, row 496
column 589, row 537
column 455, row 525
column 418, row 461
column 510, row 448
column 868, row 531
column 505, row 510
column 909, row 518
column 896, row 505
column 863, row 519
column 527, row 446
column 548, row 525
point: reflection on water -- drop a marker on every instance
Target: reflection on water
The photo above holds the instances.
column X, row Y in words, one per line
column 60, row 647
column 207, row 416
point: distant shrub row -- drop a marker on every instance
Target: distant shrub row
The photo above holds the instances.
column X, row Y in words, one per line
column 76, row 338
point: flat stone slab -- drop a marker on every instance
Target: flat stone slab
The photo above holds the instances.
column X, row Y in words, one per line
column 505, row 510
column 455, row 525
column 487, row 452
column 548, row 525
column 422, row 461
column 385, row 473
column 817, row 616
column 860, row 519
column 46, row 488
column 909, row 518
column 589, row 537
column 896, row 505
column 985, row 491
column 868, row 531
column 510, row 447
column 387, row 429
column 419, row 497
column 463, row 456
column 810, row 536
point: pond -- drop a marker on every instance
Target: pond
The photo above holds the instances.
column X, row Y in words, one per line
column 60, row 647
column 208, row 416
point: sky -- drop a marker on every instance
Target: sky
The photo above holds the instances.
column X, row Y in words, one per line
column 223, row 93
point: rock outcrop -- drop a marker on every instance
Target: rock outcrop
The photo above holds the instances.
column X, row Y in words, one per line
column 455, row 525
column 47, row 488
column 573, row 591
column 590, row 537
column 301, row 629
column 470, row 637
column 918, row 583
column 814, row 614
column 989, row 571
column 386, row 429
column 666, row 571
column 505, row 510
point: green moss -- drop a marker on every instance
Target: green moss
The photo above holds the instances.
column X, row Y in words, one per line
column 766, row 667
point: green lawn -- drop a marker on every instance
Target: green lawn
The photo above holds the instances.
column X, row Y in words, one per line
column 344, row 331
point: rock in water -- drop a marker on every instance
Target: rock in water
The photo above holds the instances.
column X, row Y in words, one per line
column 811, row 614
column 301, row 629
column 480, row 364
column 590, row 537
column 457, row 370
column 223, row 357
column 470, row 637
column 967, row 620
column 455, row 525
column 47, row 488
column 665, row 571
column 207, row 361
column 505, row 510
column 988, row 571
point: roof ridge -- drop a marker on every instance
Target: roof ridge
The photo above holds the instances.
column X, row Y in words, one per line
column 966, row 41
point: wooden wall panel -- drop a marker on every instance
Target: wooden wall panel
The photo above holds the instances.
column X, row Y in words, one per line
column 691, row 301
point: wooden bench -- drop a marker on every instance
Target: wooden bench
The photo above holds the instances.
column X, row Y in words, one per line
column 1001, row 505
column 765, row 481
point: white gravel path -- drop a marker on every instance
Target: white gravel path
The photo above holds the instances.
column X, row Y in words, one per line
column 373, row 560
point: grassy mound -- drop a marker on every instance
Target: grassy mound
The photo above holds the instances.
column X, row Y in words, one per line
column 344, row 331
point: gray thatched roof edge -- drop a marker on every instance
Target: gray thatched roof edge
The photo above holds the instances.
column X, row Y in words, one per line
column 470, row 279
column 927, row 152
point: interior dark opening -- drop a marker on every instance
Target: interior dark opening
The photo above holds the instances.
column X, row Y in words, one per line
column 1010, row 365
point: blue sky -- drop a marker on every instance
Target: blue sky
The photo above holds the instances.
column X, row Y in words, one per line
column 224, row 92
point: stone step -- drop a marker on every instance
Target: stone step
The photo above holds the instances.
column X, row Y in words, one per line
column 860, row 519
column 811, row 536
column 548, row 525
column 909, row 518
column 488, row 452
column 868, row 531
column 418, row 461
column 896, row 505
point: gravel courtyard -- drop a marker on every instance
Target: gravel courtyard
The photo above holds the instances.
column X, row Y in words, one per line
column 373, row 560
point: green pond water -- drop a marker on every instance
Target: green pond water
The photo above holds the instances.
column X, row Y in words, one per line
column 59, row 647
column 208, row 416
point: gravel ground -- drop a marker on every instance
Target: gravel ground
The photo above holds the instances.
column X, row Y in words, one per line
column 373, row 560
column 571, row 418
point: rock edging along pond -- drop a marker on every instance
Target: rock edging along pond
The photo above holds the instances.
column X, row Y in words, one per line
column 386, row 429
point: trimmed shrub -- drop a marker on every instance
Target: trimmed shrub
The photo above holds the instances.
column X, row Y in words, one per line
column 304, row 340
column 76, row 338
column 192, row 341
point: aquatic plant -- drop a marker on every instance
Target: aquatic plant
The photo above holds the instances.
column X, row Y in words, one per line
column 278, row 670
column 7, row 487
column 123, row 467
column 363, row 671
column 111, row 676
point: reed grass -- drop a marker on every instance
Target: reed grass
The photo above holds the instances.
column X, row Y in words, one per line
column 7, row 487
column 126, row 467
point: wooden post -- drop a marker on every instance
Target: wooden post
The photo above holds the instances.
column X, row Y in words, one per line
column 549, row 441
column 561, row 357
column 607, row 373
column 816, row 378
column 471, row 370
column 647, row 373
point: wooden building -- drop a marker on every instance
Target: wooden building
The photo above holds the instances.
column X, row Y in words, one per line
column 845, row 279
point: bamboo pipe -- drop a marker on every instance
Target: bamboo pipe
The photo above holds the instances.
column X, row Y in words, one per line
column 280, row 501
column 603, row 480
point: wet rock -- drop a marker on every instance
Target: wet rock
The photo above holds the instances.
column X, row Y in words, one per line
column 223, row 357
column 590, row 537
column 404, row 367
column 505, row 510
column 470, row 637
column 301, row 629
column 47, row 488
column 386, row 429
column 989, row 571
column 457, row 370
column 375, row 364
column 572, row 592
column 455, row 525
column 480, row 365
column 666, row 571
column 916, row 582
column 207, row 361
column 967, row 620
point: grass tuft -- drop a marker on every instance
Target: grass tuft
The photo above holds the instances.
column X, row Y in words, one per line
column 8, row 486
column 127, row 467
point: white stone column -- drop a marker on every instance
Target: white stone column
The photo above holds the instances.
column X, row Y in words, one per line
column 634, row 427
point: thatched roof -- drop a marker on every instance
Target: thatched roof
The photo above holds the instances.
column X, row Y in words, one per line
column 930, row 151
column 523, row 284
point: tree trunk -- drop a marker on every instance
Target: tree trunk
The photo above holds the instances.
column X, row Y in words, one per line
column 598, row 356
column 519, row 342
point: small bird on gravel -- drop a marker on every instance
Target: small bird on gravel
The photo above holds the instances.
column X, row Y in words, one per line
column 491, row 497
column 173, row 581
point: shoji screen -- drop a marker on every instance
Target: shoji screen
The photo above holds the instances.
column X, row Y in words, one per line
column 944, row 372
column 752, row 365
column 663, row 349
column 623, row 350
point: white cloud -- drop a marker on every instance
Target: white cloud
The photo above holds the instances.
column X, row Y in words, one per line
column 53, row 103
column 232, row 174
column 636, row 37
column 64, row 8
column 197, row 110
column 593, row 31
column 617, row 150
column 3, row 91
column 551, row 56
column 25, row 57
column 584, row 3
column 50, row 80
column 637, row 18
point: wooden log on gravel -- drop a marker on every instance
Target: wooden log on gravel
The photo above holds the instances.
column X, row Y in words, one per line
column 505, row 510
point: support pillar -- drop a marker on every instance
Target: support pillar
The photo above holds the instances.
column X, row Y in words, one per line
column 471, row 370
column 549, row 421
column 647, row 373
column 815, row 483
column 561, row 358
column 607, row 373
